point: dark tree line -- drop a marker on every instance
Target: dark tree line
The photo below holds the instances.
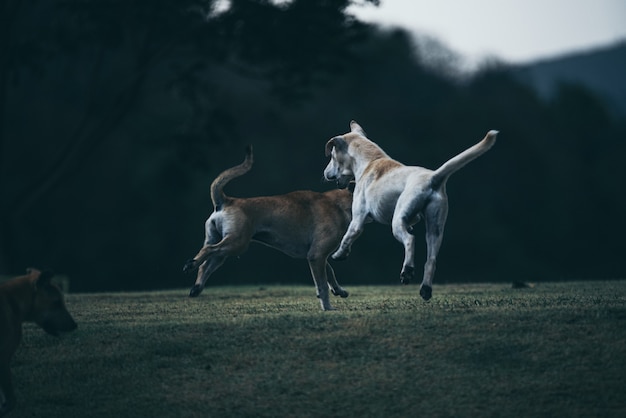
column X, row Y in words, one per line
column 115, row 116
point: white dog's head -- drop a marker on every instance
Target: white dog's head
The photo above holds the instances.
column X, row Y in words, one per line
column 340, row 168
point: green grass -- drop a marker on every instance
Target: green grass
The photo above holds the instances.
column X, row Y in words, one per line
column 556, row 350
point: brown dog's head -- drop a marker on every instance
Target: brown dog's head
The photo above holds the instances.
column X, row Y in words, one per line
column 48, row 309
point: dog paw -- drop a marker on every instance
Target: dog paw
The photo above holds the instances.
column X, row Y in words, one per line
column 426, row 292
column 195, row 291
column 407, row 274
column 340, row 256
column 189, row 266
column 340, row 292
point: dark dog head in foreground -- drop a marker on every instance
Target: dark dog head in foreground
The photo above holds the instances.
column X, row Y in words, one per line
column 48, row 310
column 29, row 298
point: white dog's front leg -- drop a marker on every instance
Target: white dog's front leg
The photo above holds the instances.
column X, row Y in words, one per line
column 353, row 232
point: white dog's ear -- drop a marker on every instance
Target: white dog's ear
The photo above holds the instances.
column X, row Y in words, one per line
column 338, row 142
column 356, row 128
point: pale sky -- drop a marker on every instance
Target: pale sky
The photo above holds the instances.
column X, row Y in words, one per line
column 516, row 31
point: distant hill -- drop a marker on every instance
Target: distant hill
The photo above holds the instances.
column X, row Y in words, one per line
column 601, row 70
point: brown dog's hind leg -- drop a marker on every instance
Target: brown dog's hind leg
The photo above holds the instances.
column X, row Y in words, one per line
column 204, row 272
column 203, row 254
column 211, row 257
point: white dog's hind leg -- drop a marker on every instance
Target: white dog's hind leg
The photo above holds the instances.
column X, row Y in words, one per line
column 435, row 218
column 405, row 215
column 403, row 232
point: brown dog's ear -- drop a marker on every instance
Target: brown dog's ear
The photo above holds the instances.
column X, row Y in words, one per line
column 356, row 128
column 44, row 278
column 337, row 142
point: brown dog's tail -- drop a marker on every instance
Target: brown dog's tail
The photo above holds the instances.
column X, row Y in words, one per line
column 217, row 187
column 457, row 162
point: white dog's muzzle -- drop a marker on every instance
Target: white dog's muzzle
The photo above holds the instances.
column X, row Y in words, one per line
column 342, row 181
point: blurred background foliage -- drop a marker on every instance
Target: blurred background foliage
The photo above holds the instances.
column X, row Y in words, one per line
column 115, row 116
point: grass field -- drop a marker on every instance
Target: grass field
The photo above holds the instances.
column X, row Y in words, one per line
column 483, row 350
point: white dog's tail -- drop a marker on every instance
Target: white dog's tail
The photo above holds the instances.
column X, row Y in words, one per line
column 217, row 187
column 457, row 162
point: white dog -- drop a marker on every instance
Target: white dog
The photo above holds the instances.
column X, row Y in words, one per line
column 389, row 192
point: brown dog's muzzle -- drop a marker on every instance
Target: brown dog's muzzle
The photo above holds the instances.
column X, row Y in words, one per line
column 58, row 324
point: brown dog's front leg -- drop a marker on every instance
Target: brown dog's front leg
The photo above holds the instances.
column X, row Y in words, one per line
column 318, row 271
column 332, row 281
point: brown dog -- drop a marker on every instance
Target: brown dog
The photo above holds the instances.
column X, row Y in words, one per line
column 27, row 298
column 301, row 224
